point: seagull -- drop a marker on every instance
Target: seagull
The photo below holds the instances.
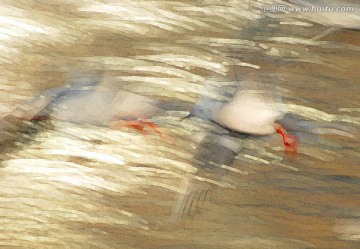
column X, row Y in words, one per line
column 85, row 100
column 249, row 111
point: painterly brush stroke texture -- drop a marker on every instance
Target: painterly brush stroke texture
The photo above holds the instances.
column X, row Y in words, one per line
column 81, row 182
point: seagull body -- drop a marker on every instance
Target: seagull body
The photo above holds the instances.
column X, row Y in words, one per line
column 100, row 107
column 86, row 100
column 248, row 112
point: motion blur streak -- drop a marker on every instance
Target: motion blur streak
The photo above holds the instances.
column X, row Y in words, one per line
column 68, row 184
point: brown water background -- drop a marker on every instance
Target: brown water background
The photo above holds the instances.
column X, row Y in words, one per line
column 65, row 185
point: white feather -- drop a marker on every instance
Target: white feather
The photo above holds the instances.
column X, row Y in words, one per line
column 249, row 112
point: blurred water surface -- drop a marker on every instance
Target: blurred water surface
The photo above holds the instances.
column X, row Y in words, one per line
column 65, row 185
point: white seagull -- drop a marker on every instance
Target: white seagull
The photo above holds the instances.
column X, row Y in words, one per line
column 248, row 112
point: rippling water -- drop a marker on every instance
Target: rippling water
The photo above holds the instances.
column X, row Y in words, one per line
column 65, row 185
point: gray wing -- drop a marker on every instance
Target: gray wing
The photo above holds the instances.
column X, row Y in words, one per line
column 80, row 83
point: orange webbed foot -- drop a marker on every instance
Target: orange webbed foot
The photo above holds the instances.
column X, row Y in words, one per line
column 140, row 124
column 290, row 141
